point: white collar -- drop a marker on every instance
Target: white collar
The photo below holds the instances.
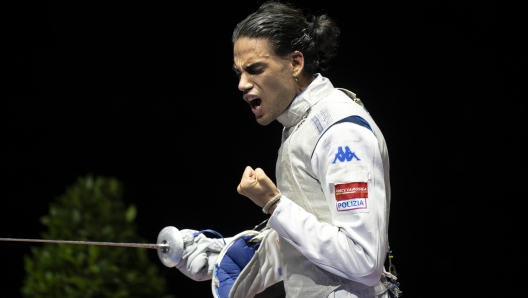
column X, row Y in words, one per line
column 318, row 89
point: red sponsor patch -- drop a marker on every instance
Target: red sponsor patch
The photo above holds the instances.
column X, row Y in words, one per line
column 352, row 190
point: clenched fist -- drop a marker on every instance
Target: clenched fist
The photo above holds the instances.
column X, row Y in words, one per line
column 257, row 186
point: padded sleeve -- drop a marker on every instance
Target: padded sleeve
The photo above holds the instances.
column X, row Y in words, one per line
column 348, row 163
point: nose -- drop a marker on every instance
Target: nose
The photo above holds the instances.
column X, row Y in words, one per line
column 244, row 83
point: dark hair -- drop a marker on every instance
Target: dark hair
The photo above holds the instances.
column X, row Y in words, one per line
column 289, row 30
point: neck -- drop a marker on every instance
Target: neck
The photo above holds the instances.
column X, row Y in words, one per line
column 303, row 83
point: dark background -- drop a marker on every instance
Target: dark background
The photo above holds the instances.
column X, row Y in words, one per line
column 145, row 93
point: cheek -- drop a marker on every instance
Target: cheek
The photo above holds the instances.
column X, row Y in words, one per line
column 274, row 85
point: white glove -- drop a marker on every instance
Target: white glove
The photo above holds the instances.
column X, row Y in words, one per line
column 199, row 254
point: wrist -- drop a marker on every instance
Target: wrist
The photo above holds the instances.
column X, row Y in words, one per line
column 271, row 203
column 273, row 207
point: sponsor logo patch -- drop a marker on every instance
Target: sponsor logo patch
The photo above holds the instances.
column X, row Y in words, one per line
column 351, row 196
column 317, row 124
column 322, row 120
column 346, row 155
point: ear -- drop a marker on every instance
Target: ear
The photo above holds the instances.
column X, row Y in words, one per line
column 297, row 63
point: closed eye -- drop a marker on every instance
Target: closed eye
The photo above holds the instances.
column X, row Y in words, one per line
column 255, row 68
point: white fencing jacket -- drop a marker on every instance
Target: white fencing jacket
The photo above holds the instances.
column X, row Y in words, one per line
column 328, row 234
column 333, row 170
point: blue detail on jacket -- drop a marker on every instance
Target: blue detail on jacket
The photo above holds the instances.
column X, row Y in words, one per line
column 354, row 119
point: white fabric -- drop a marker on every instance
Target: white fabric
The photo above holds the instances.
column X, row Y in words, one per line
column 202, row 255
column 354, row 245
column 351, row 244
column 346, row 294
column 199, row 254
column 269, row 271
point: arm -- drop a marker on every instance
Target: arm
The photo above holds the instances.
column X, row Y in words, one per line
column 356, row 238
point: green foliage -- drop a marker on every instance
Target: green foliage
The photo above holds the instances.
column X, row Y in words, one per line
column 91, row 210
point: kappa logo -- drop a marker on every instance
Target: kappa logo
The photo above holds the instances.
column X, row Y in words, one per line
column 344, row 155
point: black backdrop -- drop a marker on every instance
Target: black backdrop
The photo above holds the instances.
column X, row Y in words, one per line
column 145, row 93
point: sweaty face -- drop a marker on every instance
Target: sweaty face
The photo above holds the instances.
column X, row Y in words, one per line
column 266, row 80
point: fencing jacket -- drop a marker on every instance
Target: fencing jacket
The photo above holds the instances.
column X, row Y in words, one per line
column 333, row 172
column 329, row 231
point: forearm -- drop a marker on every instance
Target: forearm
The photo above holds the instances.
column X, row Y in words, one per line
column 354, row 258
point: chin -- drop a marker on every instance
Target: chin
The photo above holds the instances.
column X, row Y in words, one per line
column 263, row 121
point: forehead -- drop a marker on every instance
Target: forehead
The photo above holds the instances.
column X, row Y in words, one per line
column 250, row 50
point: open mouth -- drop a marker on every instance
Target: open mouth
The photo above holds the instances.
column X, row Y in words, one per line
column 255, row 103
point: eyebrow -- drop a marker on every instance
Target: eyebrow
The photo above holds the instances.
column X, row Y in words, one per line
column 250, row 68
